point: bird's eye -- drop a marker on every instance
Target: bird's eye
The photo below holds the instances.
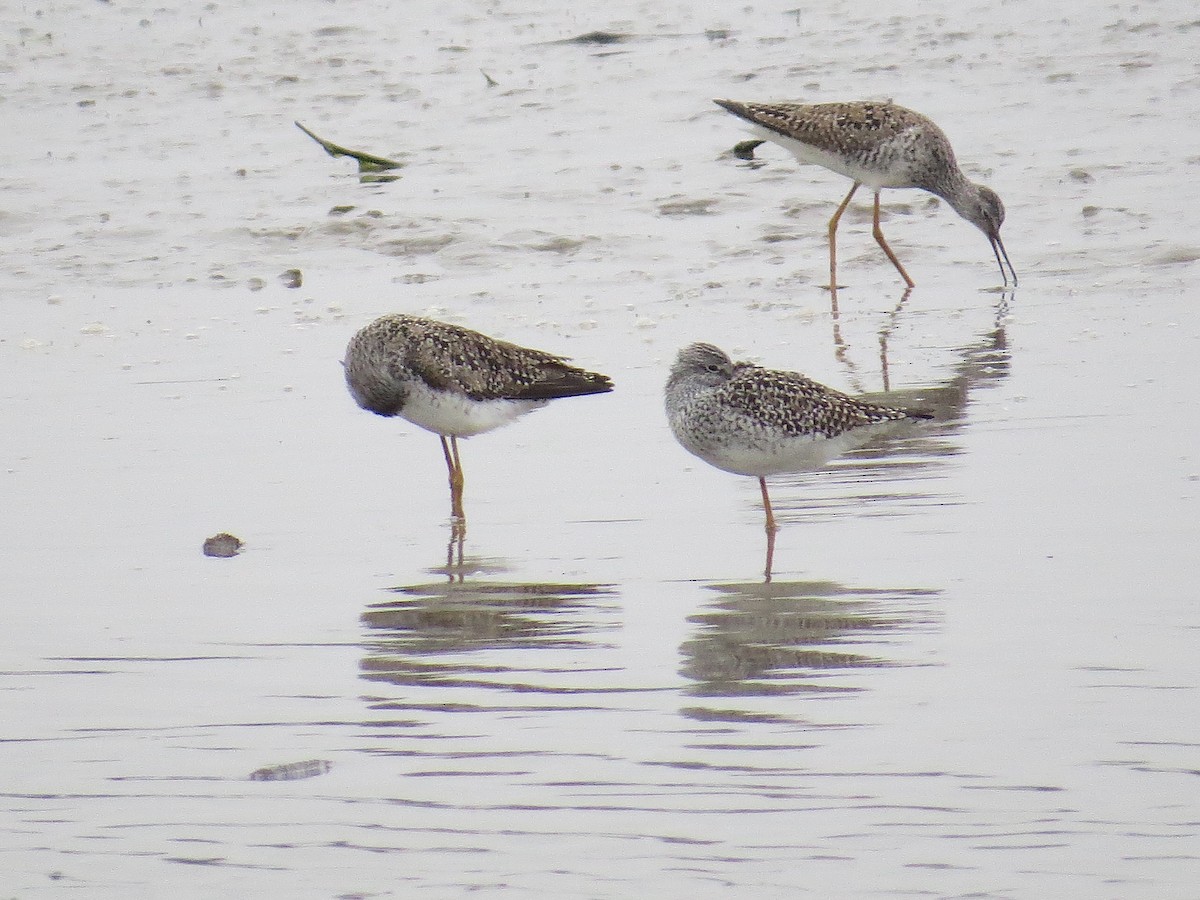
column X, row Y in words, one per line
column 713, row 367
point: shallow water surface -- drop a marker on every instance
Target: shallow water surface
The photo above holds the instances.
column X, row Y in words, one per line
column 974, row 670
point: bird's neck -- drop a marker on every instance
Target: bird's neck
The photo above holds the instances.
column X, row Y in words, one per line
column 960, row 193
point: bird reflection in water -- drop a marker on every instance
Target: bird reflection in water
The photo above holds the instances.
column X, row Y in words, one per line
column 983, row 363
column 841, row 349
column 406, row 635
column 797, row 637
column 456, row 567
column 992, row 340
column 995, row 339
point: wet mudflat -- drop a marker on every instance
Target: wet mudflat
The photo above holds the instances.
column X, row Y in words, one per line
column 974, row 670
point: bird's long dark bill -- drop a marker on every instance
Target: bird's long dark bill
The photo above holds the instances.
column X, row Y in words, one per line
column 998, row 249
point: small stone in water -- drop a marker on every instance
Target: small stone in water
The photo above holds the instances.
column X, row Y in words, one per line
column 308, row 768
column 291, row 278
column 223, row 545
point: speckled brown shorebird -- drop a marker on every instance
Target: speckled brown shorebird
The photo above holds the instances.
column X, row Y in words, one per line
column 748, row 420
column 455, row 382
column 881, row 145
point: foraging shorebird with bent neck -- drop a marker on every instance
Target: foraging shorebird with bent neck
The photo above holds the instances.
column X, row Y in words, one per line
column 880, row 145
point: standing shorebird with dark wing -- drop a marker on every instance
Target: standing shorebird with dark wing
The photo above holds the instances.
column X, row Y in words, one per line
column 880, row 145
column 455, row 382
column 748, row 420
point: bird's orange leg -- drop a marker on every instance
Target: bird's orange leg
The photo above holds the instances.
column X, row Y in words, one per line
column 771, row 528
column 878, row 232
column 458, row 481
column 454, row 467
column 833, row 225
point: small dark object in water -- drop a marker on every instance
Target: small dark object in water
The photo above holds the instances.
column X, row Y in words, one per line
column 307, row 768
column 598, row 37
column 745, row 149
column 223, row 545
column 291, row 278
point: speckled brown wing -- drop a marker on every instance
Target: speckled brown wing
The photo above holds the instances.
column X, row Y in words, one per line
column 483, row 368
column 553, row 378
column 831, row 127
column 794, row 404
